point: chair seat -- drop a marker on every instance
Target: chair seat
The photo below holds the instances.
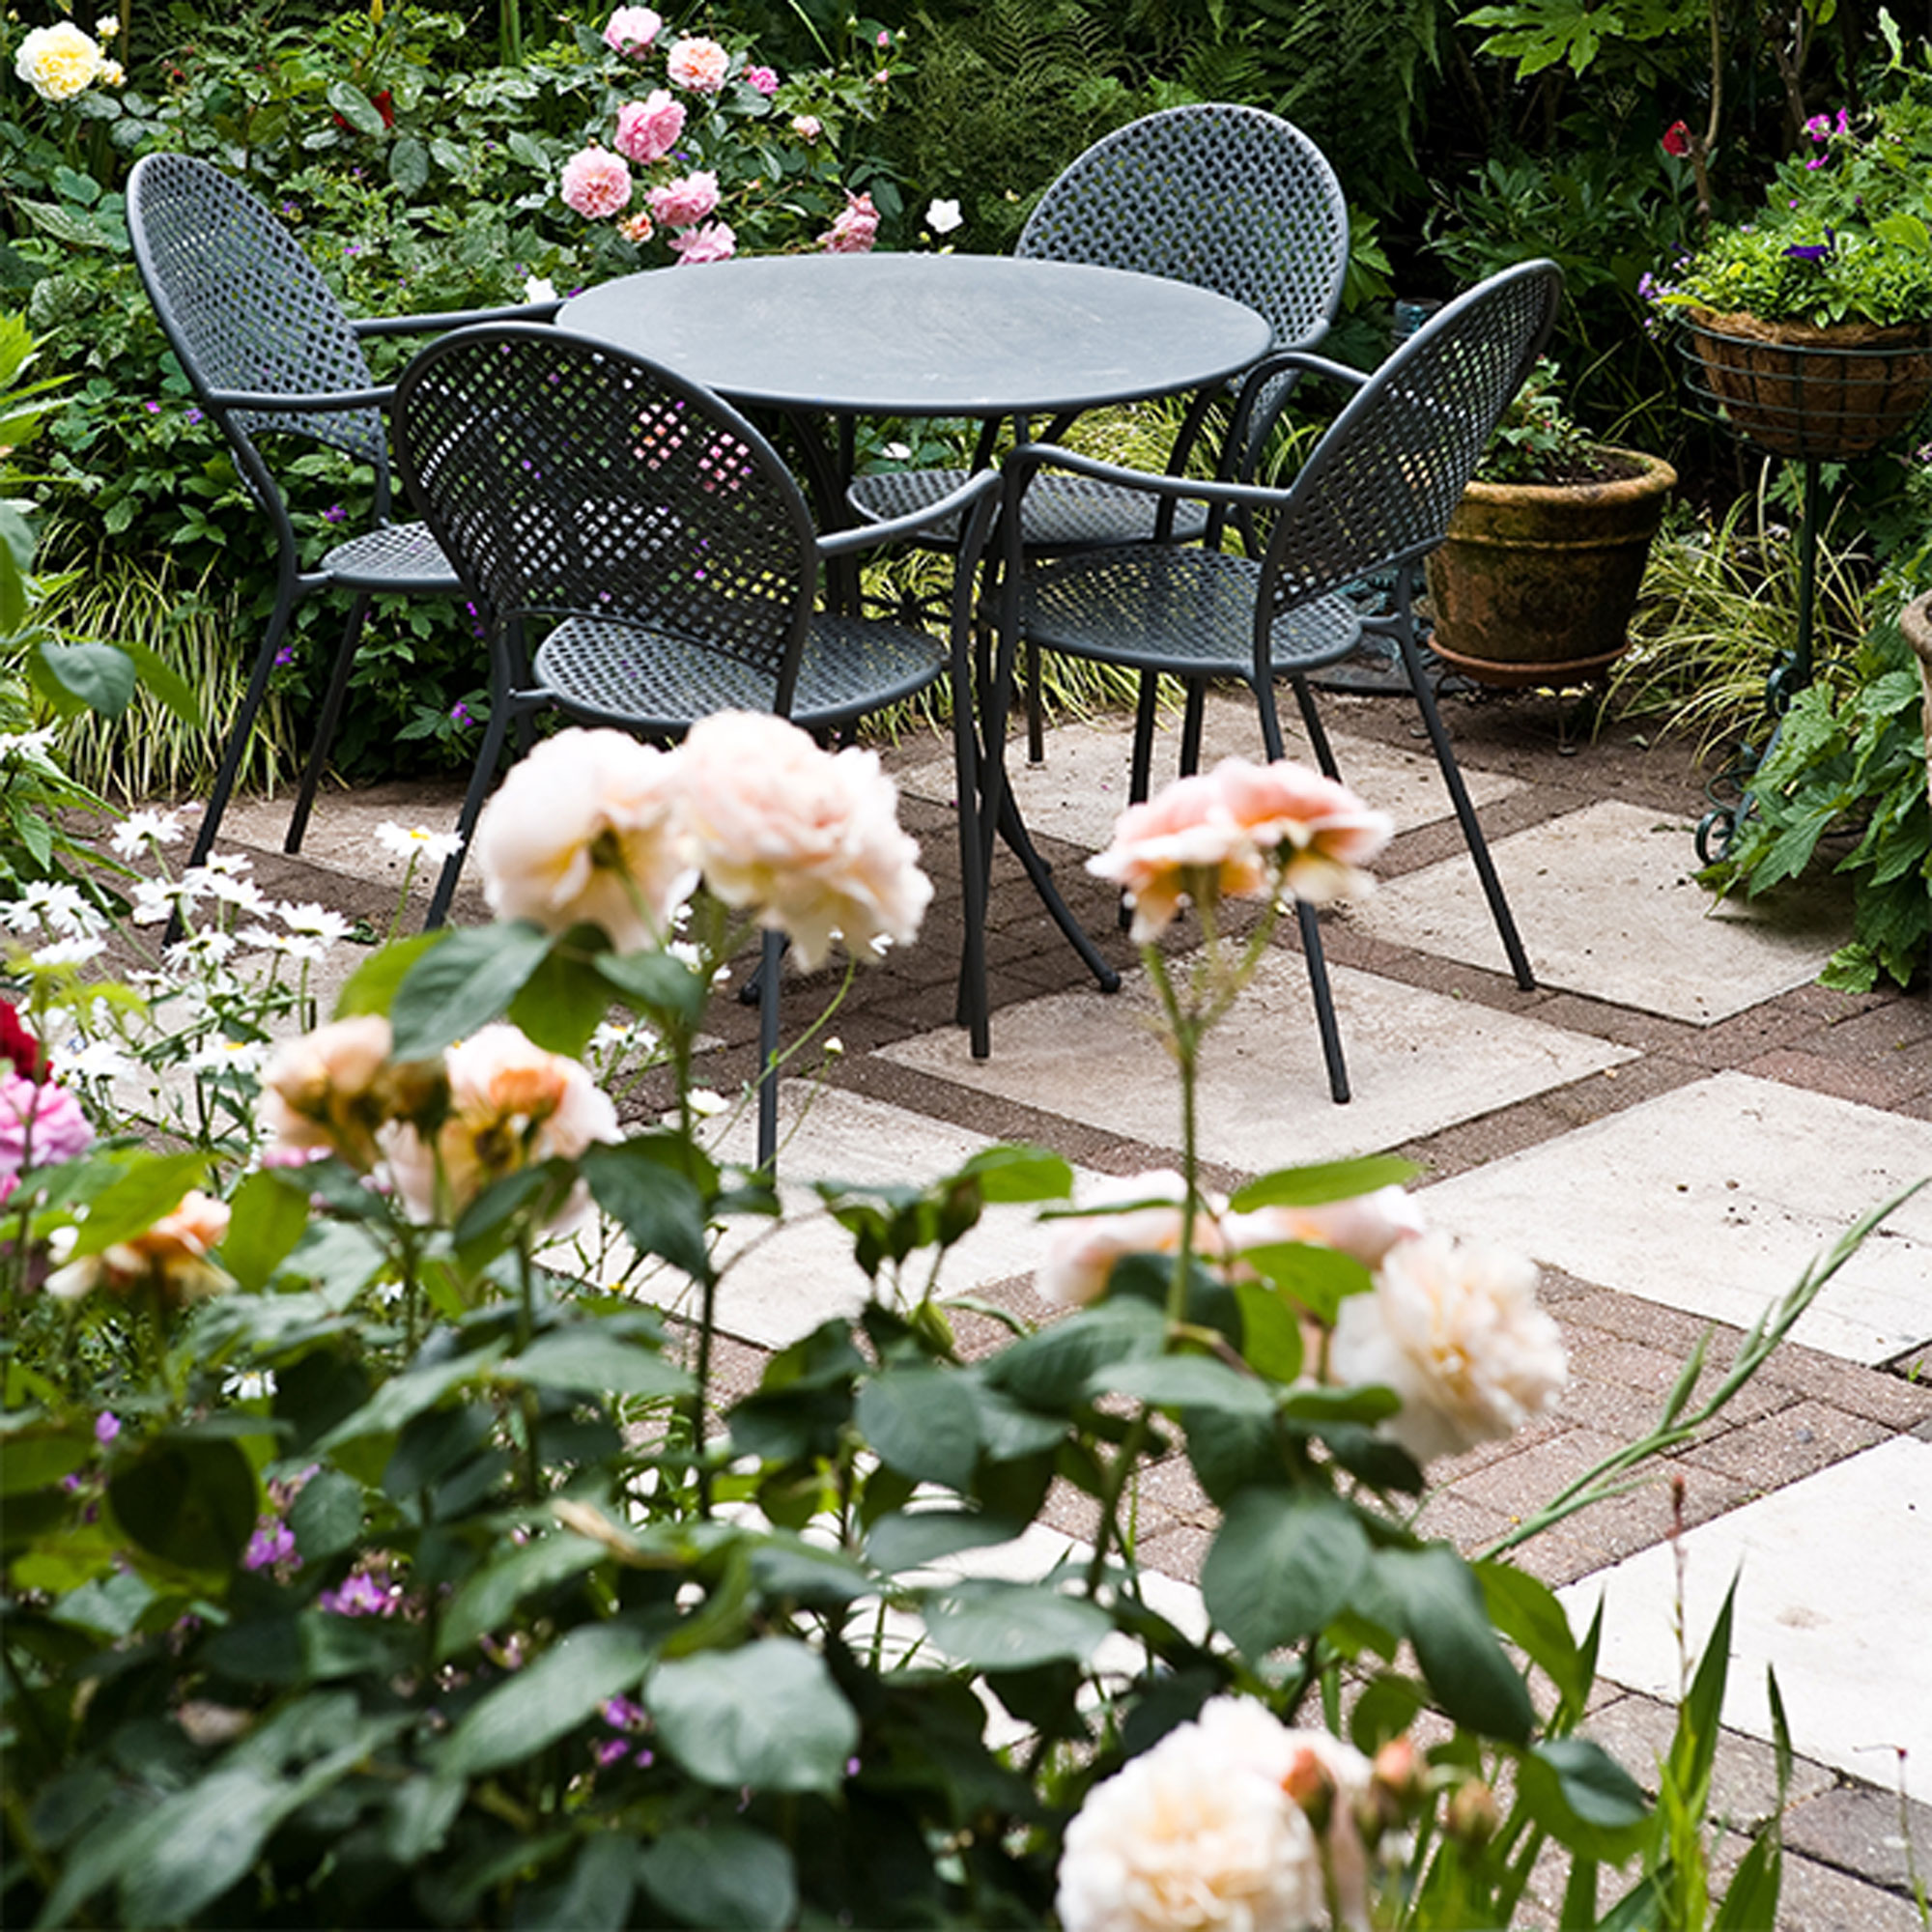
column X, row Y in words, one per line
column 1188, row 611
column 395, row 556
column 1062, row 513
column 650, row 680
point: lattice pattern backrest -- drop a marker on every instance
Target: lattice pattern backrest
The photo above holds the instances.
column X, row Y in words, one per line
column 1227, row 198
column 1385, row 478
column 562, row 475
column 243, row 307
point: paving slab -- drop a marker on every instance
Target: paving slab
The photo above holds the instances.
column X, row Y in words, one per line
column 1711, row 1199
column 1607, row 908
column 1840, row 1623
column 1081, row 788
column 1418, row 1062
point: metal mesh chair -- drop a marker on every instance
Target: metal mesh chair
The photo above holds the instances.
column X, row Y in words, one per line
column 1375, row 496
column 1223, row 197
column 268, row 351
column 656, row 544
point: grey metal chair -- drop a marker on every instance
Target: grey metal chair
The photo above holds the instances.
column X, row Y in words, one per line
column 1375, row 496
column 1225, row 197
column 656, row 550
column 268, row 351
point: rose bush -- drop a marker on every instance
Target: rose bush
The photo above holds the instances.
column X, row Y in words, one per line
column 372, row 1557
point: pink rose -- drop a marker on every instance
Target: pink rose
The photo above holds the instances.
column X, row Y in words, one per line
column 698, row 65
column 685, row 202
column 761, row 79
column 630, row 30
column 586, row 828
column 715, row 242
column 1319, row 831
column 595, row 183
column 41, row 1125
column 648, row 130
column 1181, row 842
column 806, row 126
column 855, row 228
column 810, row 839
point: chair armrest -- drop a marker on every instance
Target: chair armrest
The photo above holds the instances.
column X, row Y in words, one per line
column 842, row 543
column 433, row 325
column 1022, row 463
column 320, row 401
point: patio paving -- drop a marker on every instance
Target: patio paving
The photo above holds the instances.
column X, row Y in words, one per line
column 1672, row 1123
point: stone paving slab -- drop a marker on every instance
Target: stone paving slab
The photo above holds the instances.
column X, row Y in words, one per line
column 1832, row 1593
column 1082, row 785
column 1607, row 906
column 1418, row 1062
column 1711, row 1199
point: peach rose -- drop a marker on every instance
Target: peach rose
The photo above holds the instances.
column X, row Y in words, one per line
column 685, row 202
column 1457, row 1333
column 1082, row 1249
column 1364, row 1226
column 648, row 129
column 324, row 1092
column 715, row 242
column 1181, row 841
column 811, row 839
column 587, row 828
column 511, row 1105
column 170, row 1257
column 595, row 183
column 631, row 30
column 698, row 65
column 1319, row 831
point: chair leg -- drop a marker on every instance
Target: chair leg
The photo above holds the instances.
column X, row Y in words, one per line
column 244, row 725
column 1324, row 1000
column 975, row 863
column 1465, row 811
column 331, row 717
column 1140, row 777
column 1036, row 707
column 480, row 781
column 1191, row 722
column 1318, row 735
column 770, row 954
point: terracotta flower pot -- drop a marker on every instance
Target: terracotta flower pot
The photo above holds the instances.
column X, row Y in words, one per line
column 1536, row 583
column 1797, row 390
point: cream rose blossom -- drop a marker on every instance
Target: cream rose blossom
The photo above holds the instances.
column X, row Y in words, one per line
column 170, row 1257
column 1455, row 1330
column 1082, row 1249
column 58, row 62
column 1364, row 1226
column 809, row 837
column 587, row 826
column 1322, row 833
column 511, row 1105
column 1162, row 851
column 321, row 1092
column 1196, row 1834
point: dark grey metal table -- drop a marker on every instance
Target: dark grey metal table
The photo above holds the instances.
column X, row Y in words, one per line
column 981, row 336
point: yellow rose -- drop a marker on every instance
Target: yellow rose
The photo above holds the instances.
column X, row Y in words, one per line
column 58, row 62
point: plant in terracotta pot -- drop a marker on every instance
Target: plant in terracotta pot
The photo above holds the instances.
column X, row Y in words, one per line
column 1537, row 578
column 1810, row 325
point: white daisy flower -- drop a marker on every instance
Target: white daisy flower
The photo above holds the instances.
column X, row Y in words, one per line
column 73, row 952
column 140, row 829
column 412, row 841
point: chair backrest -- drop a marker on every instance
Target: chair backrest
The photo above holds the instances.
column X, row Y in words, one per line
column 243, row 308
column 563, row 476
column 1384, row 481
column 1227, row 198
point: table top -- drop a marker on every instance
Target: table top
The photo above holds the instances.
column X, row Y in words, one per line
column 922, row 336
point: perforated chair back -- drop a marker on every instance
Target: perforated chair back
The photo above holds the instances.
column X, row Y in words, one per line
column 568, row 478
column 1227, row 198
column 244, row 308
column 1382, row 483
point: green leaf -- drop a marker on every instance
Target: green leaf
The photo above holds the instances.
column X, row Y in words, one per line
column 1445, row 1618
column 149, row 1186
column 923, row 1422
column 1283, row 1566
column 99, row 676
column 191, row 1501
column 489, row 1598
column 639, row 1184
column 1527, row 1613
column 911, row 1538
column 327, row 1516
column 656, row 983
column 403, row 1397
column 463, row 984
column 547, row 1697
column 1327, row 1180
column 1694, row 1746
column 767, row 1715
column 372, row 987
column 163, row 680
column 270, row 1213
column 41, row 1454
column 1185, row 1382
column 1583, row 1798
column 721, row 1875
column 1051, row 1370
column 566, row 999
column 356, row 108
column 581, row 1358
column 1019, row 1173
column 1270, row 1335
column 1318, row 1279
column 989, row 1624
column 408, row 166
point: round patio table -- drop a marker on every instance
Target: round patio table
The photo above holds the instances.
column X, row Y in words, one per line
column 923, row 335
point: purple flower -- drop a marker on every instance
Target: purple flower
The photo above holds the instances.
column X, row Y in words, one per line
column 611, row 1752
column 285, row 657
column 273, row 1541
column 106, row 1426
column 194, row 415
column 335, row 514
column 359, row 1595
column 459, row 713
column 622, row 1714
column 153, row 409
column 1812, row 251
